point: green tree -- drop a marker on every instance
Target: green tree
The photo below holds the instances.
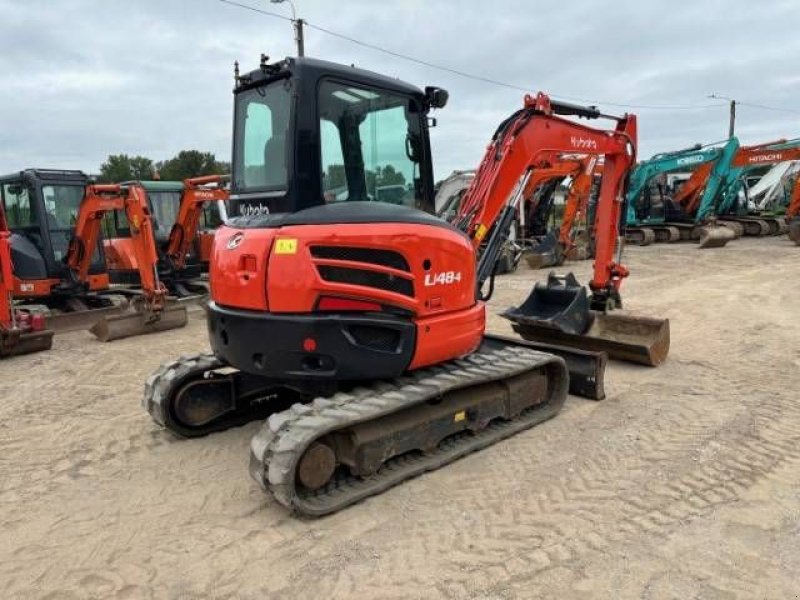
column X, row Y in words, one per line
column 191, row 163
column 121, row 167
column 389, row 176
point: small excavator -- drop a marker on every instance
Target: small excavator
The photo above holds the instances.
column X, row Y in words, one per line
column 41, row 207
column 353, row 320
column 151, row 310
column 660, row 219
column 21, row 331
column 177, row 209
column 551, row 249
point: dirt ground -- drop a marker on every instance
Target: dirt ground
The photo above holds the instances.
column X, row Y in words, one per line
column 683, row 483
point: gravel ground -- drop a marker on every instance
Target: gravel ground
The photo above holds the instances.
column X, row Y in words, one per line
column 683, row 483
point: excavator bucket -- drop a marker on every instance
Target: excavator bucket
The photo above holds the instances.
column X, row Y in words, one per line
column 561, row 304
column 641, row 340
column 139, row 322
column 558, row 313
column 712, row 236
column 794, row 230
column 547, row 253
column 15, row 344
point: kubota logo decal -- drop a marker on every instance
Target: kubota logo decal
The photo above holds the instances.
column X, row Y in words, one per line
column 583, row 143
column 234, row 241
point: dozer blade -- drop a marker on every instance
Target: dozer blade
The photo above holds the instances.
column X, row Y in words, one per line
column 561, row 304
column 547, row 253
column 794, row 230
column 138, row 323
column 715, row 236
column 641, row 340
column 26, row 343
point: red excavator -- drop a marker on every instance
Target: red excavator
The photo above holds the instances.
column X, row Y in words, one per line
column 553, row 248
column 177, row 210
column 151, row 311
column 350, row 315
column 21, row 331
column 793, row 213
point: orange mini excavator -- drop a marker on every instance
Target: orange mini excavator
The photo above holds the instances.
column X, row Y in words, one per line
column 347, row 313
column 554, row 247
column 151, row 312
column 177, row 209
column 21, row 331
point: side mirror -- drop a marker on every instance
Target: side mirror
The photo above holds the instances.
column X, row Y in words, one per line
column 436, row 97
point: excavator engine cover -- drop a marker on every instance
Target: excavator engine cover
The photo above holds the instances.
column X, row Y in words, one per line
column 561, row 304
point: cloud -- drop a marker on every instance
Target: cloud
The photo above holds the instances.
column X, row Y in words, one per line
column 85, row 79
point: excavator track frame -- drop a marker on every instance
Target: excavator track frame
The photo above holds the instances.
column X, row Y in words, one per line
column 279, row 447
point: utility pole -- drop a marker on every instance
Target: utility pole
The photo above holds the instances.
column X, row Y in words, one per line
column 732, row 121
column 298, row 27
column 298, row 38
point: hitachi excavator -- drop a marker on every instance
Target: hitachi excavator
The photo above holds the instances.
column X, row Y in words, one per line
column 21, row 331
column 654, row 215
column 731, row 201
column 176, row 209
column 354, row 320
column 151, row 311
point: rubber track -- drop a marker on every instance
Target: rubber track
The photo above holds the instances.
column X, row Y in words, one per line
column 278, row 446
column 167, row 377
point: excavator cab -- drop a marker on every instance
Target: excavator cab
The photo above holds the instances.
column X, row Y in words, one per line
column 41, row 206
column 363, row 140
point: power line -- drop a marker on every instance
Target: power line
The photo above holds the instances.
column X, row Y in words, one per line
column 258, row 10
column 765, row 107
column 495, row 81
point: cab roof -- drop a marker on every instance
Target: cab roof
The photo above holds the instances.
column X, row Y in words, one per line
column 315, row 68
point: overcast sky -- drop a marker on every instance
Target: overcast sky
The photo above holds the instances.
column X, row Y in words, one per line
column 83, row 79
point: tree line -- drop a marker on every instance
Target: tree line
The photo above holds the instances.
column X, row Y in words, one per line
column 187, row 163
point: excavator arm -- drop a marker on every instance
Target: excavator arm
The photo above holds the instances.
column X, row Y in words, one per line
column 577, row 201
column 532, row 138
column 99, row 200
column 197, row 192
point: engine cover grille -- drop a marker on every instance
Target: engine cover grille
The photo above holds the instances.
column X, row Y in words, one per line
column 384, row 258
column 362, row 277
